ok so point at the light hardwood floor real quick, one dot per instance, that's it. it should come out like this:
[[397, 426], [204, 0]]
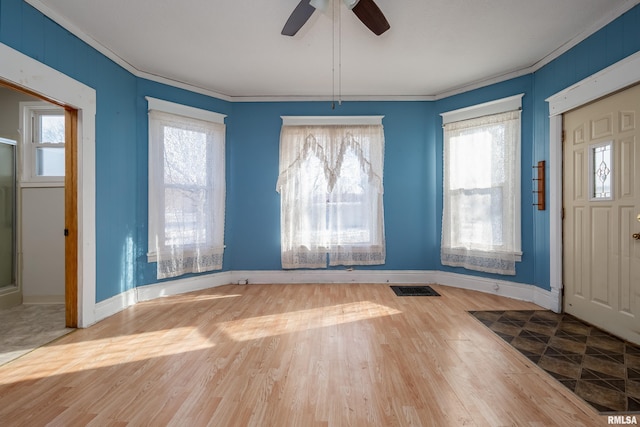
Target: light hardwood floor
[[289, 355]]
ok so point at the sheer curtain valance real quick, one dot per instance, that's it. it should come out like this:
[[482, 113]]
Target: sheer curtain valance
[[331, 189]]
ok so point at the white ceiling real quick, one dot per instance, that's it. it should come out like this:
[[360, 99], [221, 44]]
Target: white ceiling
[[234, 48]]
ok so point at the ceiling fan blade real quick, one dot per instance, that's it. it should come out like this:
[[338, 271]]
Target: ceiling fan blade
[[370, 14], [298, 18]]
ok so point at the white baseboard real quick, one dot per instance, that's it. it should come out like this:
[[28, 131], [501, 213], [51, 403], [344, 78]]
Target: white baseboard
[[181, 286], [113, 305], [329, 276], [546, 299], [43, 299], [515, 290], [520, 291]]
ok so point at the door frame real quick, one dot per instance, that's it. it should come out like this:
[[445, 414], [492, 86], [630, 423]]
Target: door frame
[[620, 75], [27, 74]]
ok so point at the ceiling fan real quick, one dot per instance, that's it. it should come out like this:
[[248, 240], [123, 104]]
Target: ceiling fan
[[366, 10]]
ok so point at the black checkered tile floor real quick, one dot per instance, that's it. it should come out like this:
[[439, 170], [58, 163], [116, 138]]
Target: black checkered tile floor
[[600, 368]]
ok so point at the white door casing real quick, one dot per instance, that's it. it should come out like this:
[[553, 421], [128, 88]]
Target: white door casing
[[28, 73], [623, 73]]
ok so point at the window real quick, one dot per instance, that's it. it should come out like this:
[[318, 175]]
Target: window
[[601, 173], [331, 189], [186, 189], [44, 138], [481, 207]]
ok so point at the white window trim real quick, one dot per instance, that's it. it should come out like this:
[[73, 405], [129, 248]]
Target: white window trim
[[185, 111], [489, 108], [27, 160]]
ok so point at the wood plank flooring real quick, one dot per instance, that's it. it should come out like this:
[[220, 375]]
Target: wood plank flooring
[[290, 355]]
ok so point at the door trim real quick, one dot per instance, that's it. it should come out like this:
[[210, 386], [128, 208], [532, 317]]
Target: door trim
[[70, 206], [27, 73], [71, 218], [618, 76]]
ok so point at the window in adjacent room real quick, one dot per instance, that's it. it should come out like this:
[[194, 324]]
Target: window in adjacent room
[[186, 188], [330, 184], [44, 137], [481, 206]]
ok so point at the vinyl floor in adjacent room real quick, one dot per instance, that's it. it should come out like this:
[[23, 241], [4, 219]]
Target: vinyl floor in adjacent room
[[27, 327], [290, 355]]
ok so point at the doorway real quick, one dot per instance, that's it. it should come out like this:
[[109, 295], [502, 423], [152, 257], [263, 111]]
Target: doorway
[[43, 205], [601, 200], [37, 78]]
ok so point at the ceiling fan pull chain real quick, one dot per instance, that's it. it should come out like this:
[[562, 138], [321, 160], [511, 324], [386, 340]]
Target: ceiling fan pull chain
[[333, 56], [340, 54]]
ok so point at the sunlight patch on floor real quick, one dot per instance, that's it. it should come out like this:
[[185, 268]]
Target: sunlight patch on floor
[[106, 352], [285, 323]]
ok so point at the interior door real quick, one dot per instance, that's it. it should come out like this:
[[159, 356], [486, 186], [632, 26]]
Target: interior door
[[601, 194]]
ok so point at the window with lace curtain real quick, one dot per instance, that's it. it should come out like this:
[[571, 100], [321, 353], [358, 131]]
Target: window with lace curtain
[[186, 189], [481, 206], [330, 183]]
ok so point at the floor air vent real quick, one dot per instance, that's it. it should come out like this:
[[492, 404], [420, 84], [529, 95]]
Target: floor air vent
[[414, 291]]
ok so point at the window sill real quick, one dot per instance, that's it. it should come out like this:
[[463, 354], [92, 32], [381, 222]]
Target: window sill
[[153, 256]]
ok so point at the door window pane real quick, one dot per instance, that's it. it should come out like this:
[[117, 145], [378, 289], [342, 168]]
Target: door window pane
[[602, 171]]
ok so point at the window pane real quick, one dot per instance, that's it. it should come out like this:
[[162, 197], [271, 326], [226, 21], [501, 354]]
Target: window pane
[[185, 157], [478, 218], [471, 160], [51, 129], [601, 158], [50, 161], [184, 213], [348, 204], [186, 195]]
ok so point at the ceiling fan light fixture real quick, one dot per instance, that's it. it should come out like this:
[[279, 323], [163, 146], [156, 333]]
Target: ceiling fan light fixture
[[321, 5], [351, 3]]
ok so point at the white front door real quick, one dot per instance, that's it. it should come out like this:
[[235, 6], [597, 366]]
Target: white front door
[[601, 196]]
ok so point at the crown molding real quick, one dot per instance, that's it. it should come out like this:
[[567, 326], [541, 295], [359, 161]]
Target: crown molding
[[602, 22]]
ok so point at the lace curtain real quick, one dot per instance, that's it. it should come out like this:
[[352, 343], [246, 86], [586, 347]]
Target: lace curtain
[[331, 190], [186, 194], [480, 220]]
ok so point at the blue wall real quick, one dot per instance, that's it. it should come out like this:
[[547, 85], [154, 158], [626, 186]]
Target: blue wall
[[413, 160], [28, 31]]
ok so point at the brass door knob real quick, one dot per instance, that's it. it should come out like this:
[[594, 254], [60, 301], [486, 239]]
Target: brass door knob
[[636, 236]]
